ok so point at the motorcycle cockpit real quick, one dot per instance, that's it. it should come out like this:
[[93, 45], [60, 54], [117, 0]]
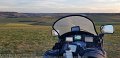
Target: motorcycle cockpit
[[77, 35], [80, 36]]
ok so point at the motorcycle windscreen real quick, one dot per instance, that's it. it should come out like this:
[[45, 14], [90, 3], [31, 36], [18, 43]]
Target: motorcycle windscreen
[[64, 25]]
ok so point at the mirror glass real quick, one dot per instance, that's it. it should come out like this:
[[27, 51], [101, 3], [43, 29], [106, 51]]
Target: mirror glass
[[107, 29], [54, 33]]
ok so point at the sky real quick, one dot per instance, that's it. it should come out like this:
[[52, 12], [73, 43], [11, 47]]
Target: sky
[[60, 6]]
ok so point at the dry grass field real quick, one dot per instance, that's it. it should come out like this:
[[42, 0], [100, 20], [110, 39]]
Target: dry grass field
[[29, 39]]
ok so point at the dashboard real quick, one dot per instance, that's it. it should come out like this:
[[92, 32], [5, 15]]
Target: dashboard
[[85, 37], [77, 36]]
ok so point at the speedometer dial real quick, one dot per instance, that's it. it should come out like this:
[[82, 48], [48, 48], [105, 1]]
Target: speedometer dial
[[88, 39], [69, 39]]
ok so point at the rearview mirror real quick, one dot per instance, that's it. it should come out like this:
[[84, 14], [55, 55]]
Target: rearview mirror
[[107, 29], [54, 33]]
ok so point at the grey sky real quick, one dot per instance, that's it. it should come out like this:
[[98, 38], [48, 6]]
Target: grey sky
[[60, 6]]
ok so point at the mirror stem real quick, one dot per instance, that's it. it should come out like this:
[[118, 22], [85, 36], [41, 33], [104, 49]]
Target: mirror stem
[[101, 35]]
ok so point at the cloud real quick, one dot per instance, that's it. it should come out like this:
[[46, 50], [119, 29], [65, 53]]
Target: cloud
[[60, 5], [107, 1]]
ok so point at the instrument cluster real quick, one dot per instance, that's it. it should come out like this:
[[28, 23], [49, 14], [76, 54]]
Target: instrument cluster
[[84, 38]]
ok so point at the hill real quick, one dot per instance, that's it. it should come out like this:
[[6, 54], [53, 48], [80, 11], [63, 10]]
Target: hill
[[49, 18]]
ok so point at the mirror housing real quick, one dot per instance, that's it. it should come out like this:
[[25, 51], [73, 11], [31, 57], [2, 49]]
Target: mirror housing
[[107, 29], [54, 33]]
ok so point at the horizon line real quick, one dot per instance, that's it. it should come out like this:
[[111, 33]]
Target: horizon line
[[58, 12]]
